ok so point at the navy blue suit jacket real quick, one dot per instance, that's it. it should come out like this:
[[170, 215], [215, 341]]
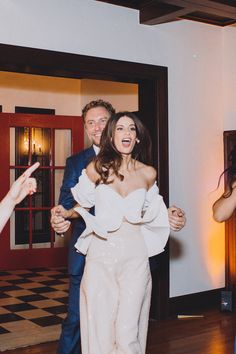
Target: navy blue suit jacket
[[74, 166]]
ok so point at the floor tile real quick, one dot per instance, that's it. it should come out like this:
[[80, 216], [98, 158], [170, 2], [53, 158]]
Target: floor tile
[[61, 286], [3, 330], [20, 281], [62, 315], [4, 283], [57, 294], [30, 298], [46, 303], [63, 300], [61, 276], [9, 277], [20, 326], [9, 301], [56, 309], [29, 285], [2, 311], [18, 293], [19, 307], [34, 314], [10, 317], [47, 321], [52, 282], [22, 272], [9, 288], [3, 295], [49, 272], [39, 278], [43, 289]]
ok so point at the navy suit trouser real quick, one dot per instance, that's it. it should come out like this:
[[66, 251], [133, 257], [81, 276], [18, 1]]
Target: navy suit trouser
[[70, 341]]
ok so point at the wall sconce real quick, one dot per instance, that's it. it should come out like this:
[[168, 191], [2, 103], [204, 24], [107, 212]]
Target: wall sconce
[[34, 140]]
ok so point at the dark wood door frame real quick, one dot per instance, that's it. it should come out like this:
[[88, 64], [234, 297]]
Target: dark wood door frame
[[230, 225], [153, 109]]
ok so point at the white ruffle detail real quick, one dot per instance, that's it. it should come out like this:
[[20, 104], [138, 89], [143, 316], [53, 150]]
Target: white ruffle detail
[[112, 209]]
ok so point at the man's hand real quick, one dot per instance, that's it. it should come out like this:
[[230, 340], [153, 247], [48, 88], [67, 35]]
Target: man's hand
[[58, 222], [177, 218]]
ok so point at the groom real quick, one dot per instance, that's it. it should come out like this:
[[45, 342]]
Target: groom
[[95, 115]]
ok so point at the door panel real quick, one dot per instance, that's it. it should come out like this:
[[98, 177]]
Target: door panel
[[27, 240]]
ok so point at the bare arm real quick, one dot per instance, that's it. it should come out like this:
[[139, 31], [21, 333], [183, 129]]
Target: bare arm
[[224, 207], [23, 186], [176, 215]]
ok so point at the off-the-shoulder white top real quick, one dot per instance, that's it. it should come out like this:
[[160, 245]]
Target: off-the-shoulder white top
[[138, 207]]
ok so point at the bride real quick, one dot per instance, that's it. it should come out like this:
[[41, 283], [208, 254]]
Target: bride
[[130, 225]]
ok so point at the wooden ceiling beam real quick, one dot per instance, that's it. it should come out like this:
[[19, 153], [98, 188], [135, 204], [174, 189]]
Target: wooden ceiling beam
[[155, 13], [205, 6]]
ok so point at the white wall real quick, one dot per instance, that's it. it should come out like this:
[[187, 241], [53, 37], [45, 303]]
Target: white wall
[[61, 94], [193, 54], [229, 60], [123, 96]]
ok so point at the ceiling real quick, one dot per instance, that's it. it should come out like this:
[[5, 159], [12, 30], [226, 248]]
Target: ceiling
[[155, 12]]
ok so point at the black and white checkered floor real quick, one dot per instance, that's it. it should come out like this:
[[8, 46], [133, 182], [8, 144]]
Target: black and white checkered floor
[[32, 306]]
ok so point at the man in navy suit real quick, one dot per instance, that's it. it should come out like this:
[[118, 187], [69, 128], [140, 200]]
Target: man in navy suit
[[95, 115]]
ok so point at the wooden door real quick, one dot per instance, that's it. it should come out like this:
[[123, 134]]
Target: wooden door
[[27, 241], [230, 225]]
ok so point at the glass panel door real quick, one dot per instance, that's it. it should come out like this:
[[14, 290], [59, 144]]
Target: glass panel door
[[29, 240]]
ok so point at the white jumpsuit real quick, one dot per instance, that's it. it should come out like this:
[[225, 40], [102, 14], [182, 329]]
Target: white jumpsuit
[[116, 285]]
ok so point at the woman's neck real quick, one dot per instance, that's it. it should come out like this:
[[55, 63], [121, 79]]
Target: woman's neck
[[127, 163]]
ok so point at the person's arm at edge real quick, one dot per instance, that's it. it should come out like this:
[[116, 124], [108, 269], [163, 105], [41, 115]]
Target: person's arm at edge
[[23, 186], [224, 207]]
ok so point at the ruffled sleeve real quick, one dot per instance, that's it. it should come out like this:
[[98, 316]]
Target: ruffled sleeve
[[155, 222], [84, 191]]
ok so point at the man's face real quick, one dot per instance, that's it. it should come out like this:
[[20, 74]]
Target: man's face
[[95, 121]]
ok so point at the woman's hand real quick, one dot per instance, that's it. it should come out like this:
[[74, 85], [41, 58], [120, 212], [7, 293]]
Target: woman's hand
[[23, 186]]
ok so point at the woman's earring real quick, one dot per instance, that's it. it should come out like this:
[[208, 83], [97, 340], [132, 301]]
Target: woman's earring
[[137, 141]]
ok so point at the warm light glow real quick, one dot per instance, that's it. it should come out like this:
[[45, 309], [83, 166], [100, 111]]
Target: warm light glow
[[37, 141], [214, 244], [215, 255]]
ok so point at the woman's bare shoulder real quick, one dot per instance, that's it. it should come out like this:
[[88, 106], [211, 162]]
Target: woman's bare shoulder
[[149, 173], [91, 172]]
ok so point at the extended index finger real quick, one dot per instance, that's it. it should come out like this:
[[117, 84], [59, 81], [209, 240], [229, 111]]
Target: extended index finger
[[31, 169]]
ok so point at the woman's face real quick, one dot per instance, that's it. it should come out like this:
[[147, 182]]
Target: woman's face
[[125, 135]]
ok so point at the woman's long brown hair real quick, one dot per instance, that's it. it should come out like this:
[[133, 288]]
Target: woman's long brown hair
[[229, 173], [109, 159]]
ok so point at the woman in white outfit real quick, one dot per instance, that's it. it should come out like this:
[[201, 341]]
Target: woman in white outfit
[[130, 225]]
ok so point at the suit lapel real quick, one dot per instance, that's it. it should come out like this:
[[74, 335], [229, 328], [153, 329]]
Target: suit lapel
[[88, 155]]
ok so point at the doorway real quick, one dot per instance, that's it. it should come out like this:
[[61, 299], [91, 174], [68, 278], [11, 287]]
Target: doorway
[[28, 241]]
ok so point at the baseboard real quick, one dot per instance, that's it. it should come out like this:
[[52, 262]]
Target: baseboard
[[192, 303]]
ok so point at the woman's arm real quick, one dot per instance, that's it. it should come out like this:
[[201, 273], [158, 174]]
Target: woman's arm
[[224, 207], [23, 186]]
